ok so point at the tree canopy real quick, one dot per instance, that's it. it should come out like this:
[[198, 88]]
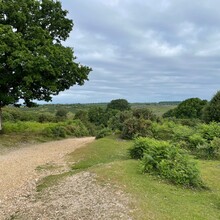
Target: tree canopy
[[189, 108], [118, 104], [34, 65], [212, 110]]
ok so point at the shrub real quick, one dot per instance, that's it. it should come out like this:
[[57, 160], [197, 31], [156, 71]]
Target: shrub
[[116, 122], [195, 140], [163, 131], [140, 146], [46, 117], [103, 133], [74, 129], [144, 113], [167, 161], [134, 127], [210, 150], [209, 131]]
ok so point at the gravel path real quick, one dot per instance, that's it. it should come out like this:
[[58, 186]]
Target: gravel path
[[78, 197]]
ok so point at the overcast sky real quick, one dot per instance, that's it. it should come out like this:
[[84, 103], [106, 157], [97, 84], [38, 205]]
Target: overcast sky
[[145, 51]]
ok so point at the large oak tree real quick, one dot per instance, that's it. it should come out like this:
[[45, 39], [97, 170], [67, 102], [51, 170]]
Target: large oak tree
[[34, 65]]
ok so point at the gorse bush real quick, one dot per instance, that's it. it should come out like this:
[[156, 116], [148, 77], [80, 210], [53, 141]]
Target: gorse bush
[[167, 161]]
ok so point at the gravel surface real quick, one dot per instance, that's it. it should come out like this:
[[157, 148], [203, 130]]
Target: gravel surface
[[79, 197]]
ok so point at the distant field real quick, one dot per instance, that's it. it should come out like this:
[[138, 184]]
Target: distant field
[[157, 108]]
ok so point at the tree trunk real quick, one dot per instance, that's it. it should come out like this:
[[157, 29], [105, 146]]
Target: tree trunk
[[0, 119]]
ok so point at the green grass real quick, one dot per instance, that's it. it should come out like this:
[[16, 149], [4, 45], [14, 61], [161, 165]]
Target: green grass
[[100, 152], [51, 180], [152, 198]]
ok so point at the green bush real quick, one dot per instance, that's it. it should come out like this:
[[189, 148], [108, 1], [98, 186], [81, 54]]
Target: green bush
[[45, 117], [164, 130], [116, 122], [210, 150], [167, 161], [144, 113], [135, 127], [209, 131], [103, 133], [73, 129], [195, 140], [140, 146]]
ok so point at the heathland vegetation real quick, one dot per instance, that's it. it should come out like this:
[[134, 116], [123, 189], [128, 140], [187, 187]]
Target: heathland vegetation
[[155, 148]]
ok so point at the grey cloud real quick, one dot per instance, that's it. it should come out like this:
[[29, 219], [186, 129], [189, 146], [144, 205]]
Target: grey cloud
[[145, 50]]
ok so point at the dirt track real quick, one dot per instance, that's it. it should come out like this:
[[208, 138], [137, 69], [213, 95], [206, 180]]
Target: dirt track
[[18, 167], [78, 197]]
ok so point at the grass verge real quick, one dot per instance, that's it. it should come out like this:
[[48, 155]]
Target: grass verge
[[153, 198]]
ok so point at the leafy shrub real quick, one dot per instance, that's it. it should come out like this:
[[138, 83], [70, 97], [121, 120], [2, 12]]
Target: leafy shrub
[[134, 127], [195, 140], [116, 122], [163, 131], [210, 150], [74, 129], [209, 131], [140, 146], [103, 133], [46, 117], [55, 131], [144, 113], [167, 161], [182, 133]]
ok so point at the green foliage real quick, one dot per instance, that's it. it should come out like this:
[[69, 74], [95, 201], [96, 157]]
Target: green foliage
[[195, 140], [119, 104], [209, 150], [97, 115], [34, 63], [82, 115], [135, 127], [62, 130], [209, 131], [116, 122], [25, 127], [46, 117], [139, 147], [164, 130], [103, 133], [144, 113], [167, 161], [190, 108], [212, 110], [17, 114], [61, 114]]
